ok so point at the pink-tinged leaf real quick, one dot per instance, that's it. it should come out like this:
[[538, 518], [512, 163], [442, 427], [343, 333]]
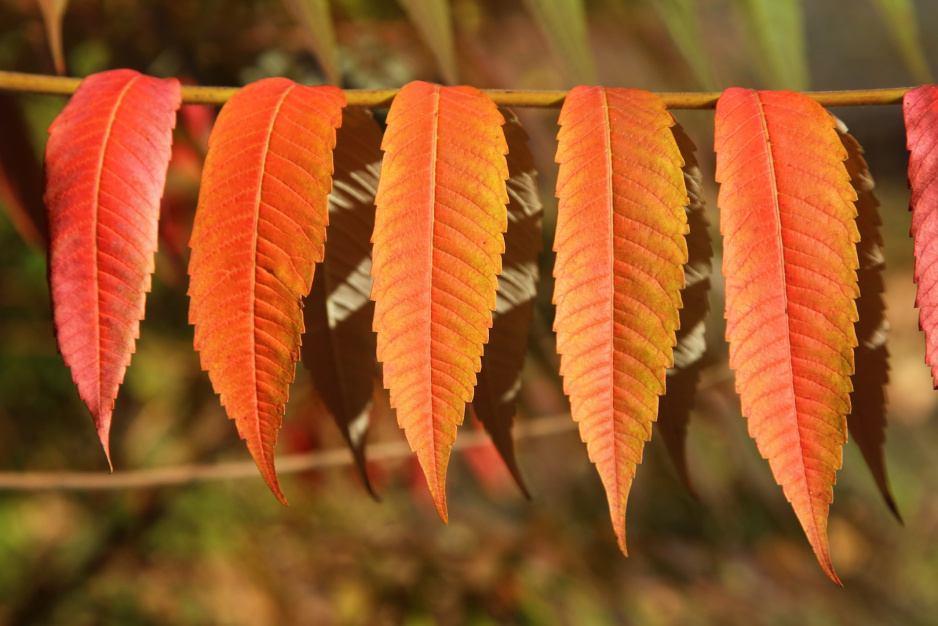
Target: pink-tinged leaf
[[259, 230], [866, 424], [21, 175], [437, 252], [106, 163], [339, 344], [790, 260], [500, 376], [920, 107], [681, 385], [620, 249]]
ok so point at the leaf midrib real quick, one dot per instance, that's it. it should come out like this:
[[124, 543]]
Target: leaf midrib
[[256, 423], [776, 214], [96, 221]]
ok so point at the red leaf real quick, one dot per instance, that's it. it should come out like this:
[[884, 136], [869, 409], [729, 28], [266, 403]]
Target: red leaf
[[787, 217], [437, 246], [866, 424], [106, 163], [620, 250], [259, 229], [500, 376], [339, 344], [920, 107]]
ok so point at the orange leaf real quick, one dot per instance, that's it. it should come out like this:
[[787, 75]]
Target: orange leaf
[[259, 229], [787, 217], [920, 107], [620, 250], [681, 383], [437, 245], [866, 424], [500, 376], [106, 163], [339, 345]]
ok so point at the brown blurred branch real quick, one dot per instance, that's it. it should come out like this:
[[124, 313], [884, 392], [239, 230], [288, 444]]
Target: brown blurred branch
[[39, 83], [287, 464]]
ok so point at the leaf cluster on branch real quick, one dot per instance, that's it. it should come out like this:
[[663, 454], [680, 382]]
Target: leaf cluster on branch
[[442, 299]]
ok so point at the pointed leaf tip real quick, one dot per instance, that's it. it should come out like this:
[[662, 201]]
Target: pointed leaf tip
[[259, 229], [621, 247], [787, 218], [105, 163], [437, 252]]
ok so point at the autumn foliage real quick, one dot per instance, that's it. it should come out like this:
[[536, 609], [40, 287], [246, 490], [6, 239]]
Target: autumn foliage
[[455, 228]]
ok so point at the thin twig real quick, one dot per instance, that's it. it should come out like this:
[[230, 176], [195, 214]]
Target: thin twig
[[287, 464], [378, 98]]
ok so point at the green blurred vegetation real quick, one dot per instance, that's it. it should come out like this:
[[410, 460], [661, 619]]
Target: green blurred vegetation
[[228, 553]]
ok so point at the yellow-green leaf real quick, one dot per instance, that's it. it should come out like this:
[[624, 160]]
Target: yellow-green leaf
[[903, 28], [53, 11], [314, 17], [564, 25], [433, 21], [776, 31], [680, 18]]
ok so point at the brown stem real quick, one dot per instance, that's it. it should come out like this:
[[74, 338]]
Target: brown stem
[[287, 464], [377, 98]]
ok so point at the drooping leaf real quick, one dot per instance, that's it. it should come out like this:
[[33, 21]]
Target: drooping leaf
[[920, 108], [866, 424], [563, 23], [680, 18], [53, 11], [437, 251], [433, 21], [339, 345], [258, 231], [314, 16], [902, 21], [789, 258], [620, 250], [681, 383], [777, 33], [21, 176], [500, 376], [105, 164]]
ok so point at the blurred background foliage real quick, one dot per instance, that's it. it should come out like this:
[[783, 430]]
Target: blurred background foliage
[[228, 553]]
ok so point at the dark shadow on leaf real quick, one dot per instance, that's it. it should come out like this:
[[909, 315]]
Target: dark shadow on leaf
[[499, 379], [339, 344], [681, 384], [866, 423]]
